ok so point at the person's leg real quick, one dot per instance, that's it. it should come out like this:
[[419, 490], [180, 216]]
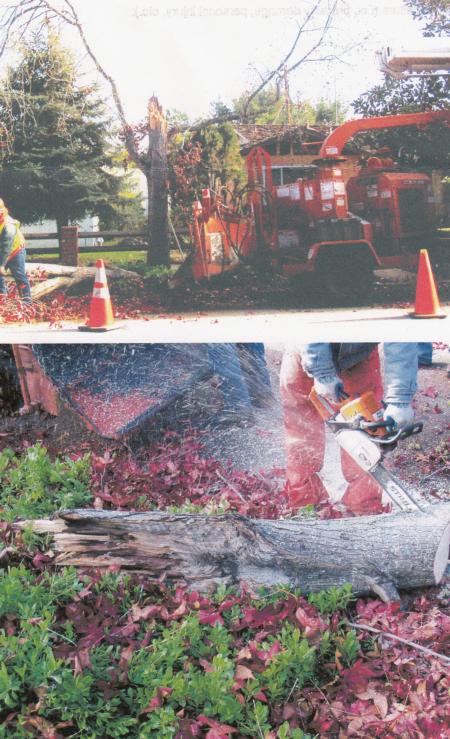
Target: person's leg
[[304, 434], [254, 368], [225, 364], [363, 494], [3, 288], [16, 265], [425, 354]]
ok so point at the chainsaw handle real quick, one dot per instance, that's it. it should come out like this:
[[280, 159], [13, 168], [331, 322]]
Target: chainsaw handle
[[403, 433], [373, 425], [410, 430]]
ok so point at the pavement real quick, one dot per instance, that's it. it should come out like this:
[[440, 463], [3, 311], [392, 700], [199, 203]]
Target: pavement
[[355, 324]]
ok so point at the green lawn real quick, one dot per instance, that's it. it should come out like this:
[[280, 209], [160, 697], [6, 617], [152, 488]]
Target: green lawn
[[133, 260]]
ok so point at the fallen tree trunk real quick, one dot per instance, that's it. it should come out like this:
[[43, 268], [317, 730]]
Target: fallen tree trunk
[[374, 553], [62, 277], [49, 286]]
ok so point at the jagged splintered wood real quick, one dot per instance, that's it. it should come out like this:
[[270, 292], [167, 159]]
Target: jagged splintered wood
[[374, 553]]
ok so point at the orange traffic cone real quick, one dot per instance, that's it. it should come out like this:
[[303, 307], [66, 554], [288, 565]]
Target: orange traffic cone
[[101, 317], [427, 299]]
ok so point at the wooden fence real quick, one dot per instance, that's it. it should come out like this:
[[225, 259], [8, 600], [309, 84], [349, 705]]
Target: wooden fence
[[54, 236]]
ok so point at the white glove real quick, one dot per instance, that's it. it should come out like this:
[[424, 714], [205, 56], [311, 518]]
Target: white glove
[[331, 388], [401, 414]]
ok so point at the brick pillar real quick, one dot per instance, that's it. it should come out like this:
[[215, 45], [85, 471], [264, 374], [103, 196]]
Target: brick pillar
[[68, 246]]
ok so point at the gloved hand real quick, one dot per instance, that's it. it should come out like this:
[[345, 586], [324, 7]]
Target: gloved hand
[[331, 388], [401, 414]]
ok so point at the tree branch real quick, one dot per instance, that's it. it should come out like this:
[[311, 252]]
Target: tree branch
[[302, 29], [388, 635], [26, 10]]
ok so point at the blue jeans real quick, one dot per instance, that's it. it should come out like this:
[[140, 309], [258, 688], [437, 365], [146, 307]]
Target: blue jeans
[[425, 354], [253, 363], [224, 362], [16, 266]]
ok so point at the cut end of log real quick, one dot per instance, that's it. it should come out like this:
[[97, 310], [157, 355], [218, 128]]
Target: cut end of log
[[441, 559]]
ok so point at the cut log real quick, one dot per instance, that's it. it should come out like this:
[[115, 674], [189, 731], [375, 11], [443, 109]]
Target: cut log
[[52, 270], [50, 286], [379, 554], [68, 277]]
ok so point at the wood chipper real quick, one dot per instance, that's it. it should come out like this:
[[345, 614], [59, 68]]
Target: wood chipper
[[113, 388], [318, 224]]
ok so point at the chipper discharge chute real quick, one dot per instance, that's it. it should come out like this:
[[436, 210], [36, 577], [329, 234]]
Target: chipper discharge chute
[[114, 389]]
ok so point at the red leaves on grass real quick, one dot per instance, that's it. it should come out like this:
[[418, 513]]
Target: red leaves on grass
[[357, 677], [174, 471]]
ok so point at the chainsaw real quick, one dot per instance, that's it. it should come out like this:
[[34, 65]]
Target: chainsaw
[[362, 432]]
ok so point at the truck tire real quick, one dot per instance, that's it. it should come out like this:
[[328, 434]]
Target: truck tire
[[345, 280]]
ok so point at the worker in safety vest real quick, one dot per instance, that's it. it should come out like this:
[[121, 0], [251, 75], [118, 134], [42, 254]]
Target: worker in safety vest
[[317, 469], [12, 254]]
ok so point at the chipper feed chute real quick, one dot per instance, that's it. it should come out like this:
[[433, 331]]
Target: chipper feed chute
[[117, 388]]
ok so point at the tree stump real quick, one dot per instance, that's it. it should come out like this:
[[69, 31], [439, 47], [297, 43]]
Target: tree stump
[[377, 554]]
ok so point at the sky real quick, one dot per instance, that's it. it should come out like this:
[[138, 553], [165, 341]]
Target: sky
[[191, 53]]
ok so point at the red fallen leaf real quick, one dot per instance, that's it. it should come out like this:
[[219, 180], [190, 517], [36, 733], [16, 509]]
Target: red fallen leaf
[[143, 614], [207, 666], [210, 618], [126, 655], [311, 625], [157, 700], [358, 676], [430, 727], [46, 729], [430, 392], [222, 729], [437, 409], [244, 653], [180, 611], [243, 673], [40, 560], [261, 696]]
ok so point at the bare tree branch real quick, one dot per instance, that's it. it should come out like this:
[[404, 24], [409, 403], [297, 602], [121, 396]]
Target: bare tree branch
[[21, 17], [302, 30]]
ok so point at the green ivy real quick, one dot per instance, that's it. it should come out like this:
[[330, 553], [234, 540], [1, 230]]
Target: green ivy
[[34, 486]]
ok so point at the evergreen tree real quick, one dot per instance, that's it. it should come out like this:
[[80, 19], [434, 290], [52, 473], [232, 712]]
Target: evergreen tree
[[57, 159]]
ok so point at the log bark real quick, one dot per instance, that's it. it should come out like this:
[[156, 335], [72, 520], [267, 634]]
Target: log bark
[[50, 286], [379, 554], [68, 277]]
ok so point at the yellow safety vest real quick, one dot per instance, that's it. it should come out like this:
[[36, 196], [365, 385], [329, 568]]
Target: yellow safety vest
[[18, 242]]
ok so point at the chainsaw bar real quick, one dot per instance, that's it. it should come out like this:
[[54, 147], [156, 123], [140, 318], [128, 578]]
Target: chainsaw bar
[[404, 500], [368, 455]]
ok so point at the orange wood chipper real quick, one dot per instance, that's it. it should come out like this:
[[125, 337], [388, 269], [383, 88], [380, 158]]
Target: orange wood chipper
[[318, 224]]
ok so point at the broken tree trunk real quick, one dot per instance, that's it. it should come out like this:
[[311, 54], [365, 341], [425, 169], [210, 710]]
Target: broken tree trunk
[[373, 553], [158, 226]]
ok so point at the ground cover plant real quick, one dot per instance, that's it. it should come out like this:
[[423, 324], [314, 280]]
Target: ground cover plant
[[110, 654]]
